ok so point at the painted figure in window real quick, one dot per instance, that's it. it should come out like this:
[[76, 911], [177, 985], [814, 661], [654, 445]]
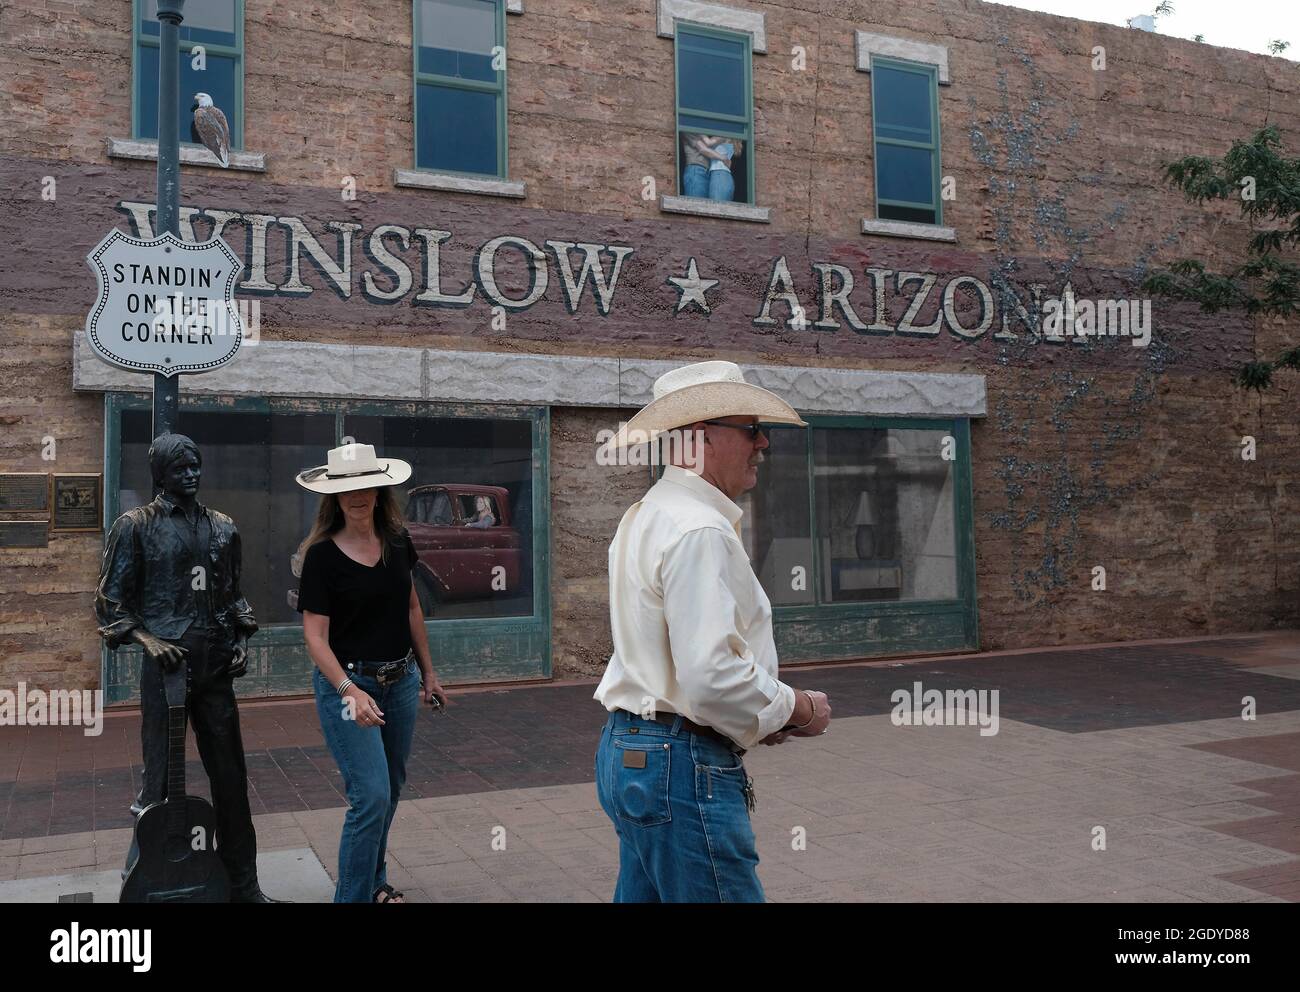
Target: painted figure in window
[[720, 152], [707, 170], [695, 167], [482, 513]]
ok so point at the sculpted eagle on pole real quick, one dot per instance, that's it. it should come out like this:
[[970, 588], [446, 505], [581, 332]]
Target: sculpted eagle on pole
[[211, 128]]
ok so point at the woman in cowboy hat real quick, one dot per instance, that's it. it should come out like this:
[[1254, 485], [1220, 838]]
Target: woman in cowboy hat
[[365, 632]]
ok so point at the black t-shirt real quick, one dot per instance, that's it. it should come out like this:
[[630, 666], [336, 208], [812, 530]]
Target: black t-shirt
[[368, 607]]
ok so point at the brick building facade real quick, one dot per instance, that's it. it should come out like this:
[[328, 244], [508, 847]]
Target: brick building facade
[[488, 322]]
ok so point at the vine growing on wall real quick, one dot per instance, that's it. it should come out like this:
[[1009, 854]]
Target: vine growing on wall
[[1055, 492]]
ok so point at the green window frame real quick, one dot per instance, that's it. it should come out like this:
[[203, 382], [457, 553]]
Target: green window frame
[[477, 649], [745, 123], [825, 630], [935, 203], [234, 115], [496, 87]]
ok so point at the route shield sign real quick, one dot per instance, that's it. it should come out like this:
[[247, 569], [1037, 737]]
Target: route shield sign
[[165, 305]]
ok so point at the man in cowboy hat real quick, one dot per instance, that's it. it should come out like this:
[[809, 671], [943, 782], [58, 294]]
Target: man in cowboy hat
[[169, 582], [692, 682]]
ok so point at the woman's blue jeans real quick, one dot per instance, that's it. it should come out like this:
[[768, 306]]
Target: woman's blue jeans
[[695, 181], [373, 763], [678, 805], [722, 185]]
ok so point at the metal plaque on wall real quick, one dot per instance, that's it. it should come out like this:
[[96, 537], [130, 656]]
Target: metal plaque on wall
[[76, 505], [24, 533], [24, 492]]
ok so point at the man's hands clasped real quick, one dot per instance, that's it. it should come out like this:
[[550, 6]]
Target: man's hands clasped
[[811, 718]]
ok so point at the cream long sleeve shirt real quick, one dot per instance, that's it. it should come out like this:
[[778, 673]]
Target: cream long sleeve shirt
[[692, 625]]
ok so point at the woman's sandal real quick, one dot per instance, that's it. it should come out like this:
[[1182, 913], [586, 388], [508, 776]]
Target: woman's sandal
[[389, 893]]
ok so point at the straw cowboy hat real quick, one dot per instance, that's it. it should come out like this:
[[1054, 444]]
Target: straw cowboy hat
[[352, 467], [703, 391]]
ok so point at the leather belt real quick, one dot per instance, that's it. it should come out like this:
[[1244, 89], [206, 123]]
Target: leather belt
[[385, 672], [668, 719]]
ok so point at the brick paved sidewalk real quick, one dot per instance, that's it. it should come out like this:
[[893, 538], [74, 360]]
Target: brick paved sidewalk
[[1143, 740]]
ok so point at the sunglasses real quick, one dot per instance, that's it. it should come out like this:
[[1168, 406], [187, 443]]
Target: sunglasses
[[755, 431]]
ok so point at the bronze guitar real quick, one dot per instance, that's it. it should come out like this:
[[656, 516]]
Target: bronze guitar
[[177, 859]]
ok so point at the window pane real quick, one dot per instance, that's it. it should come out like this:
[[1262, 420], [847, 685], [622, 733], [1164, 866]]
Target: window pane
[[901, 102], [904, 174], [211, 22], [913, 215], [884, 515], [456, 130], [709, 80], [468, 506], [249, 462], [217, 80], [776, 528], [708, 125], [457, 38]]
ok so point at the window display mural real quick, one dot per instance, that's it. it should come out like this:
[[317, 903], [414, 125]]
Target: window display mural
[[468, 508], [850, 515], [468, 505]]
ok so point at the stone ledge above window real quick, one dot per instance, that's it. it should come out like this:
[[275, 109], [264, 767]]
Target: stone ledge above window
[[147, 149], [712, 15], [701, 207], [901, 48], [294, 368], [451, 183], [514, 6], [905, 229]]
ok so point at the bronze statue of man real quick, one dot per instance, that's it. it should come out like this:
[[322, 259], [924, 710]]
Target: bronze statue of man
[[170, 583]]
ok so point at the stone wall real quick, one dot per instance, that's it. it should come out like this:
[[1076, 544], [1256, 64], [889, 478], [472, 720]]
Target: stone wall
[[1129, 460]]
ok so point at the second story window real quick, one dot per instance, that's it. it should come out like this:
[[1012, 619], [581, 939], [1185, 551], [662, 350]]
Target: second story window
[[460, 86], [905, 119], [715, 115], [217, 27]]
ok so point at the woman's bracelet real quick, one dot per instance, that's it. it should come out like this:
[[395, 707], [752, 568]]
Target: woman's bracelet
[[343, 686], [813, 704]]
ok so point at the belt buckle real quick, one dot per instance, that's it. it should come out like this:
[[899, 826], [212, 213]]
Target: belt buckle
[[389, 673]]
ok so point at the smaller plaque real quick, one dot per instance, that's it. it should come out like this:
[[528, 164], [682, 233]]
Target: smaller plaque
[[25, 492], [76, 505], [24, 533]]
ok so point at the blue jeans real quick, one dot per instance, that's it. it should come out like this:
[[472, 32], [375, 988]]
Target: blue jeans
[[722, 185], [695, 181], [373, 763], [683, 829]]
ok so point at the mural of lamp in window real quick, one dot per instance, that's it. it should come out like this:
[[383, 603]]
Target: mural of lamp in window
[[864, 524]]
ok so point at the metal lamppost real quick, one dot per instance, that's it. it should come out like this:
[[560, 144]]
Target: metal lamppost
[[166, 389]]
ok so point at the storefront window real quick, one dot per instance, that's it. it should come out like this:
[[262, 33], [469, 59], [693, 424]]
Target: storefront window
[[781, 537], [468, 507], [884, 503], [877, 525]]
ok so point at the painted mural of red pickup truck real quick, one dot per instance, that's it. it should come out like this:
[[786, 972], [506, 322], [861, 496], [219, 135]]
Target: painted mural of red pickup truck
[[466, 545]]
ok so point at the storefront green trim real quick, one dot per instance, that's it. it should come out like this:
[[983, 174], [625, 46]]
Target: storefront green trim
[[487, 650], [834, 631]]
